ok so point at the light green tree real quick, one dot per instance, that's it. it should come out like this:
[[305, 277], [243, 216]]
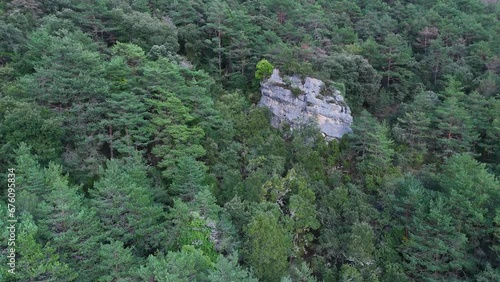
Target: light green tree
[[263, 69]]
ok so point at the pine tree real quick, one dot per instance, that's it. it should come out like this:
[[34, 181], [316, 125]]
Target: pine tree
[[373, 148], [117, 263], [435, 250], [125, 126], [27, 122], [228, 269], [433, 66], [69, 80], [196, 223], [124, 203], [31, 186], [395, 61], [188, 179], [454, 128], [189, 264], [173, 137], [361, 80], [72, 228], [268, 246], [360, 248], [302, 209], [37, 262], [414, 127], [218, 29], [473, 195]]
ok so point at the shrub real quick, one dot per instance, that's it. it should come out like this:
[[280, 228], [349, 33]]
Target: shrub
[[263, 69], [296, 91]]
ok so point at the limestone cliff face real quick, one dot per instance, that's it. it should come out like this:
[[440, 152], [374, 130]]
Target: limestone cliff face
[[296, 101]]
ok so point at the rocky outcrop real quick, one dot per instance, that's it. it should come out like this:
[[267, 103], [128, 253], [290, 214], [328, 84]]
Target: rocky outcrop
[[297, 101]]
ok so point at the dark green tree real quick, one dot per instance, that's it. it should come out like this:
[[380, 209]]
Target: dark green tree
[[188, 264], [268, 246], [373, 149], [36, 261], [117, 263], [69, 80], [454, 128], [435, 249], [228, 269], [25, 122], [72, 228], [123, 201]]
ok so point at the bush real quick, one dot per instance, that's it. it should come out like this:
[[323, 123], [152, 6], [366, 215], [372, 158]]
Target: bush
[[296, 91], [264, 69]]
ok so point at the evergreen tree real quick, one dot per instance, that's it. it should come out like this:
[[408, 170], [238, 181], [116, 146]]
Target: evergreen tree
[[268, 246], [189, 264], [124, 204], [36, 261], [454, 128], [414, 127], [68, 79], [302, 211], [473, 195], [31, 186], [361, 80], [27, 122], [394, 59], [373, 148], [173, 137], [227, 269], [435, 250], [189, 179], [73, 229], [117, 263]]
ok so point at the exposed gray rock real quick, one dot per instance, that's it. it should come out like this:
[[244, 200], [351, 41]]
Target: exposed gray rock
[[296, 101]]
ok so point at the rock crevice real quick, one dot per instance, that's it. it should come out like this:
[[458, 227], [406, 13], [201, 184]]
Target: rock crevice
[[296, 101]]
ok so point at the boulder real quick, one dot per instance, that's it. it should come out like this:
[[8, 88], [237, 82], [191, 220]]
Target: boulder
[[296, 101]]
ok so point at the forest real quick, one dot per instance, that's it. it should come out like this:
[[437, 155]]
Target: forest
[[132, 146]]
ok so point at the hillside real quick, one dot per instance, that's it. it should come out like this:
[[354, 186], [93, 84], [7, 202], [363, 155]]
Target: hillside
[[134, 144]]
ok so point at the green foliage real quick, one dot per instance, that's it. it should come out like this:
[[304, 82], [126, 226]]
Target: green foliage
[[124, 204], [143, 29], [359, 77], [29, 123], [116, 262], [68, 79], [36, 261], [454, 128], [263, 69], [189, 264], [179, 108], [349, 273], [473, 195], [296, 92], [227, 269], [188, 179], [73, 229], [302, 211], [373, 147], [268, 246], [434, 240], [300, 273]]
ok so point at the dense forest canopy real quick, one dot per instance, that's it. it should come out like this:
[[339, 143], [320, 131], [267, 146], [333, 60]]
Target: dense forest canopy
[[140, 153]]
